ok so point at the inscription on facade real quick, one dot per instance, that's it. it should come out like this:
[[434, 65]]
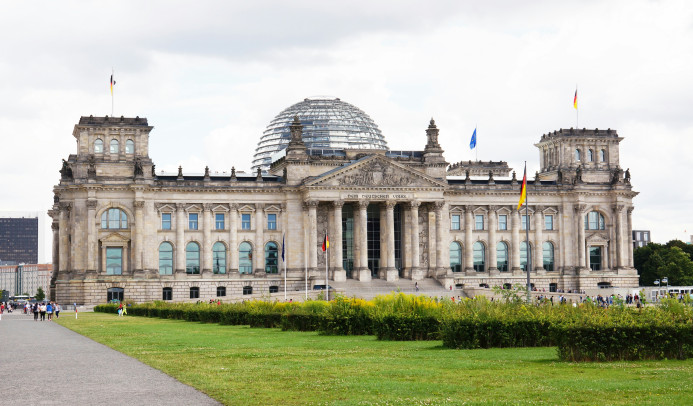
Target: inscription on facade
[[377, 196]]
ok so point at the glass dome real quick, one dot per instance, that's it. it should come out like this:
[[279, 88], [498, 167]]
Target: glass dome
[[329, 124]]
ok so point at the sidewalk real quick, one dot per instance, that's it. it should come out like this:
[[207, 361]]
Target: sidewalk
[[44, 363]]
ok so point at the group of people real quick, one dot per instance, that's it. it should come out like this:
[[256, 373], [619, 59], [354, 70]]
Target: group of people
[[43, 309]]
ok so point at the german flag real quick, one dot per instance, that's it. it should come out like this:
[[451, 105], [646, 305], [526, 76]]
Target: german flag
[[325, 243], [112, 84], [523, 192], [575, 100]]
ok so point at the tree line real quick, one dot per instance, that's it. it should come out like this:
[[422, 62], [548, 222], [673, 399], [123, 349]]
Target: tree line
[[672, 260]]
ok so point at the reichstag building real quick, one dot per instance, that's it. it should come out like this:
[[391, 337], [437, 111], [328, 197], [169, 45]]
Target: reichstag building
[[322, 166]]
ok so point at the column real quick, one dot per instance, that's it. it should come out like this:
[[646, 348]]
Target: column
[[468, 250], [538, 239], [180, 239], [312, 235], [92, 254], [580, 224], [416, 273], [63, 256], [56, 247], [259, 239], [432, 239], [233, 239], [441, 241], [206, 225], [515, 246], [620, 254], [629, 237], [492, 253], [363, 271], [338, 273], [391, 273]]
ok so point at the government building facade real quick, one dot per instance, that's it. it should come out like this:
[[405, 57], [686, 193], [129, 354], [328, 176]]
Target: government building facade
[[322, 167]]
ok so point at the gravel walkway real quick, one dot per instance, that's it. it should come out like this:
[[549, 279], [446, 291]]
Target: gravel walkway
[[43, 363]]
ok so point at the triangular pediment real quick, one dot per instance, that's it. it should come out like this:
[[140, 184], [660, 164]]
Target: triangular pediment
[[596, 238], [165, 207], [115, 238], [375, 171]]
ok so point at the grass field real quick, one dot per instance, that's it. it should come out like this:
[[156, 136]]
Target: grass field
[[240, 366]]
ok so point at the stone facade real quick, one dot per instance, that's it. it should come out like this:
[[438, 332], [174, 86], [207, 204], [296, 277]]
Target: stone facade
[[121, 231]]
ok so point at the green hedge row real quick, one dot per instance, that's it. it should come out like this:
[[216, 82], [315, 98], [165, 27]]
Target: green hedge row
[[495, 333]]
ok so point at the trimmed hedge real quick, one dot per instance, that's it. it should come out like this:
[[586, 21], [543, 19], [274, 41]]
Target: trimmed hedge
[[494, 332], [401, 327]]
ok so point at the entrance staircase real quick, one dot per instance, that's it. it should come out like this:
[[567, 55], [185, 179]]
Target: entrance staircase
[[369, 290]]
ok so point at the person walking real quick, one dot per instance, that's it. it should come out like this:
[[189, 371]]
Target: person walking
[[57, 310], [35, 310], [49, 311], [42, 311]]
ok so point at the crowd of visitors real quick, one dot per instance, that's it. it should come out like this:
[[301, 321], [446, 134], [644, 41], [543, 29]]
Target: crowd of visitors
[[39, 309]]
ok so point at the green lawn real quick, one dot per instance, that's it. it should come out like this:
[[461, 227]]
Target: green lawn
[[240, 365]]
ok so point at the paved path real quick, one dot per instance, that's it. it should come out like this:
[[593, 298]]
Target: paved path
[[43, 363]]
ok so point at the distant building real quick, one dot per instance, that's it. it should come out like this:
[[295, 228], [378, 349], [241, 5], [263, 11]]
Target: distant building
[[21, 237], [25, 278], [641, 238]]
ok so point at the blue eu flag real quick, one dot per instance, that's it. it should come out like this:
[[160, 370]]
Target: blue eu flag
[[472, 143]]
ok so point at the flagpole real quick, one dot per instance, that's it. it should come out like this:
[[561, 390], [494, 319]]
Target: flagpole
[[577, 110], [528, 250], [476, 142], [112, 72], [327, 286], [305, 258]]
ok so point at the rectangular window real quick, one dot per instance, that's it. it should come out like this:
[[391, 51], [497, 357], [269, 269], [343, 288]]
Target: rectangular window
[[548, 222], [221, 291], [245, 221], [479, 222], [192, 221], [525, 222], [194, 293], [455, 222], [167, 294], [219, 225], [165, 221], [502, 222], [271, 221], [114, 261]]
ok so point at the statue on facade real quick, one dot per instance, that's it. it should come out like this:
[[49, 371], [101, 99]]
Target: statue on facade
[[233, 173], [180, 171], [66, 171], [578, 174], [559, 178], [138, 168], [206, 171], [153, 170], [91, 170], [626, 178]]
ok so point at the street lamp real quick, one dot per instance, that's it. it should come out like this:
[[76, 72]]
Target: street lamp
[[666, 280]]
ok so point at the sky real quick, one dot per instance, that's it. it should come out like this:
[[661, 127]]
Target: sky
[[211, 75]]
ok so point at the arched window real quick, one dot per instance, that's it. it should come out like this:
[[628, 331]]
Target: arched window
[[577, 155], [602, 156], [192, 258], [114, 147], [271, 258], [548, 256], [502, 256], [245, 258], [219, 257], [166, 258], [114, 219], [523, 255], [594, 221], [98, 146], [455, 256], [479, 257], [590, 155], [129, 147]]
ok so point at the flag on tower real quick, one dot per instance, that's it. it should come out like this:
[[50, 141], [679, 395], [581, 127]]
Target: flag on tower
[[112, 84], [523, 192], [472, 143], [325, 243], [575, 100]]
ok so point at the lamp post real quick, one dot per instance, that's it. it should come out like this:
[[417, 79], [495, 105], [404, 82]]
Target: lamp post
[[656, 282], [666, 280]]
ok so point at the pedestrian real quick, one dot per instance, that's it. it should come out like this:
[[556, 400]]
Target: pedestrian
[[42, 311], [35, 309], [120, 309], [49, 311], [57, 310], [416, 286]]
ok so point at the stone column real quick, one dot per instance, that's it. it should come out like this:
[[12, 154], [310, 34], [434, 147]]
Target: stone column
[[207, 225], [416, 273], [312, 235], [618, 228], [517, 241], [233, 238], [432, 237], [259, 239], [493, 254], [580, 221], [92, 235], [338, 273], [441, 226], [63, 256], [138, 246], [363, 271], [180, 239], [629, 236], [468, 251], [391, 273], [538, 239], [56, 246]]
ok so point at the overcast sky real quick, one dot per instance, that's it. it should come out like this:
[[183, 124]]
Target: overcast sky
[[210, 76]]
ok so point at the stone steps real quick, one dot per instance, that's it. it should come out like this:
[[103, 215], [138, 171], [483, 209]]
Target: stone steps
[[375, 287]]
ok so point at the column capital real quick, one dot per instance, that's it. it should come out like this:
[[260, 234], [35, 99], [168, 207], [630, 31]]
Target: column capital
[[363, 204], [414, 204], [493, 208], [233, 207], [390, 205], [207, 207], [338, 203], [468, 208], [259, 206], [180, 206], [538, 208], [282, 206], [438, 205], [580, 208], [308, 204], [630, 210], [65, 206], [91, 204], [618, 208], [139, 204]]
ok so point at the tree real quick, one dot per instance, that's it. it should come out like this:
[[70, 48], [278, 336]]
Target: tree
[[656, 261], [677, 266], [40, 294]]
